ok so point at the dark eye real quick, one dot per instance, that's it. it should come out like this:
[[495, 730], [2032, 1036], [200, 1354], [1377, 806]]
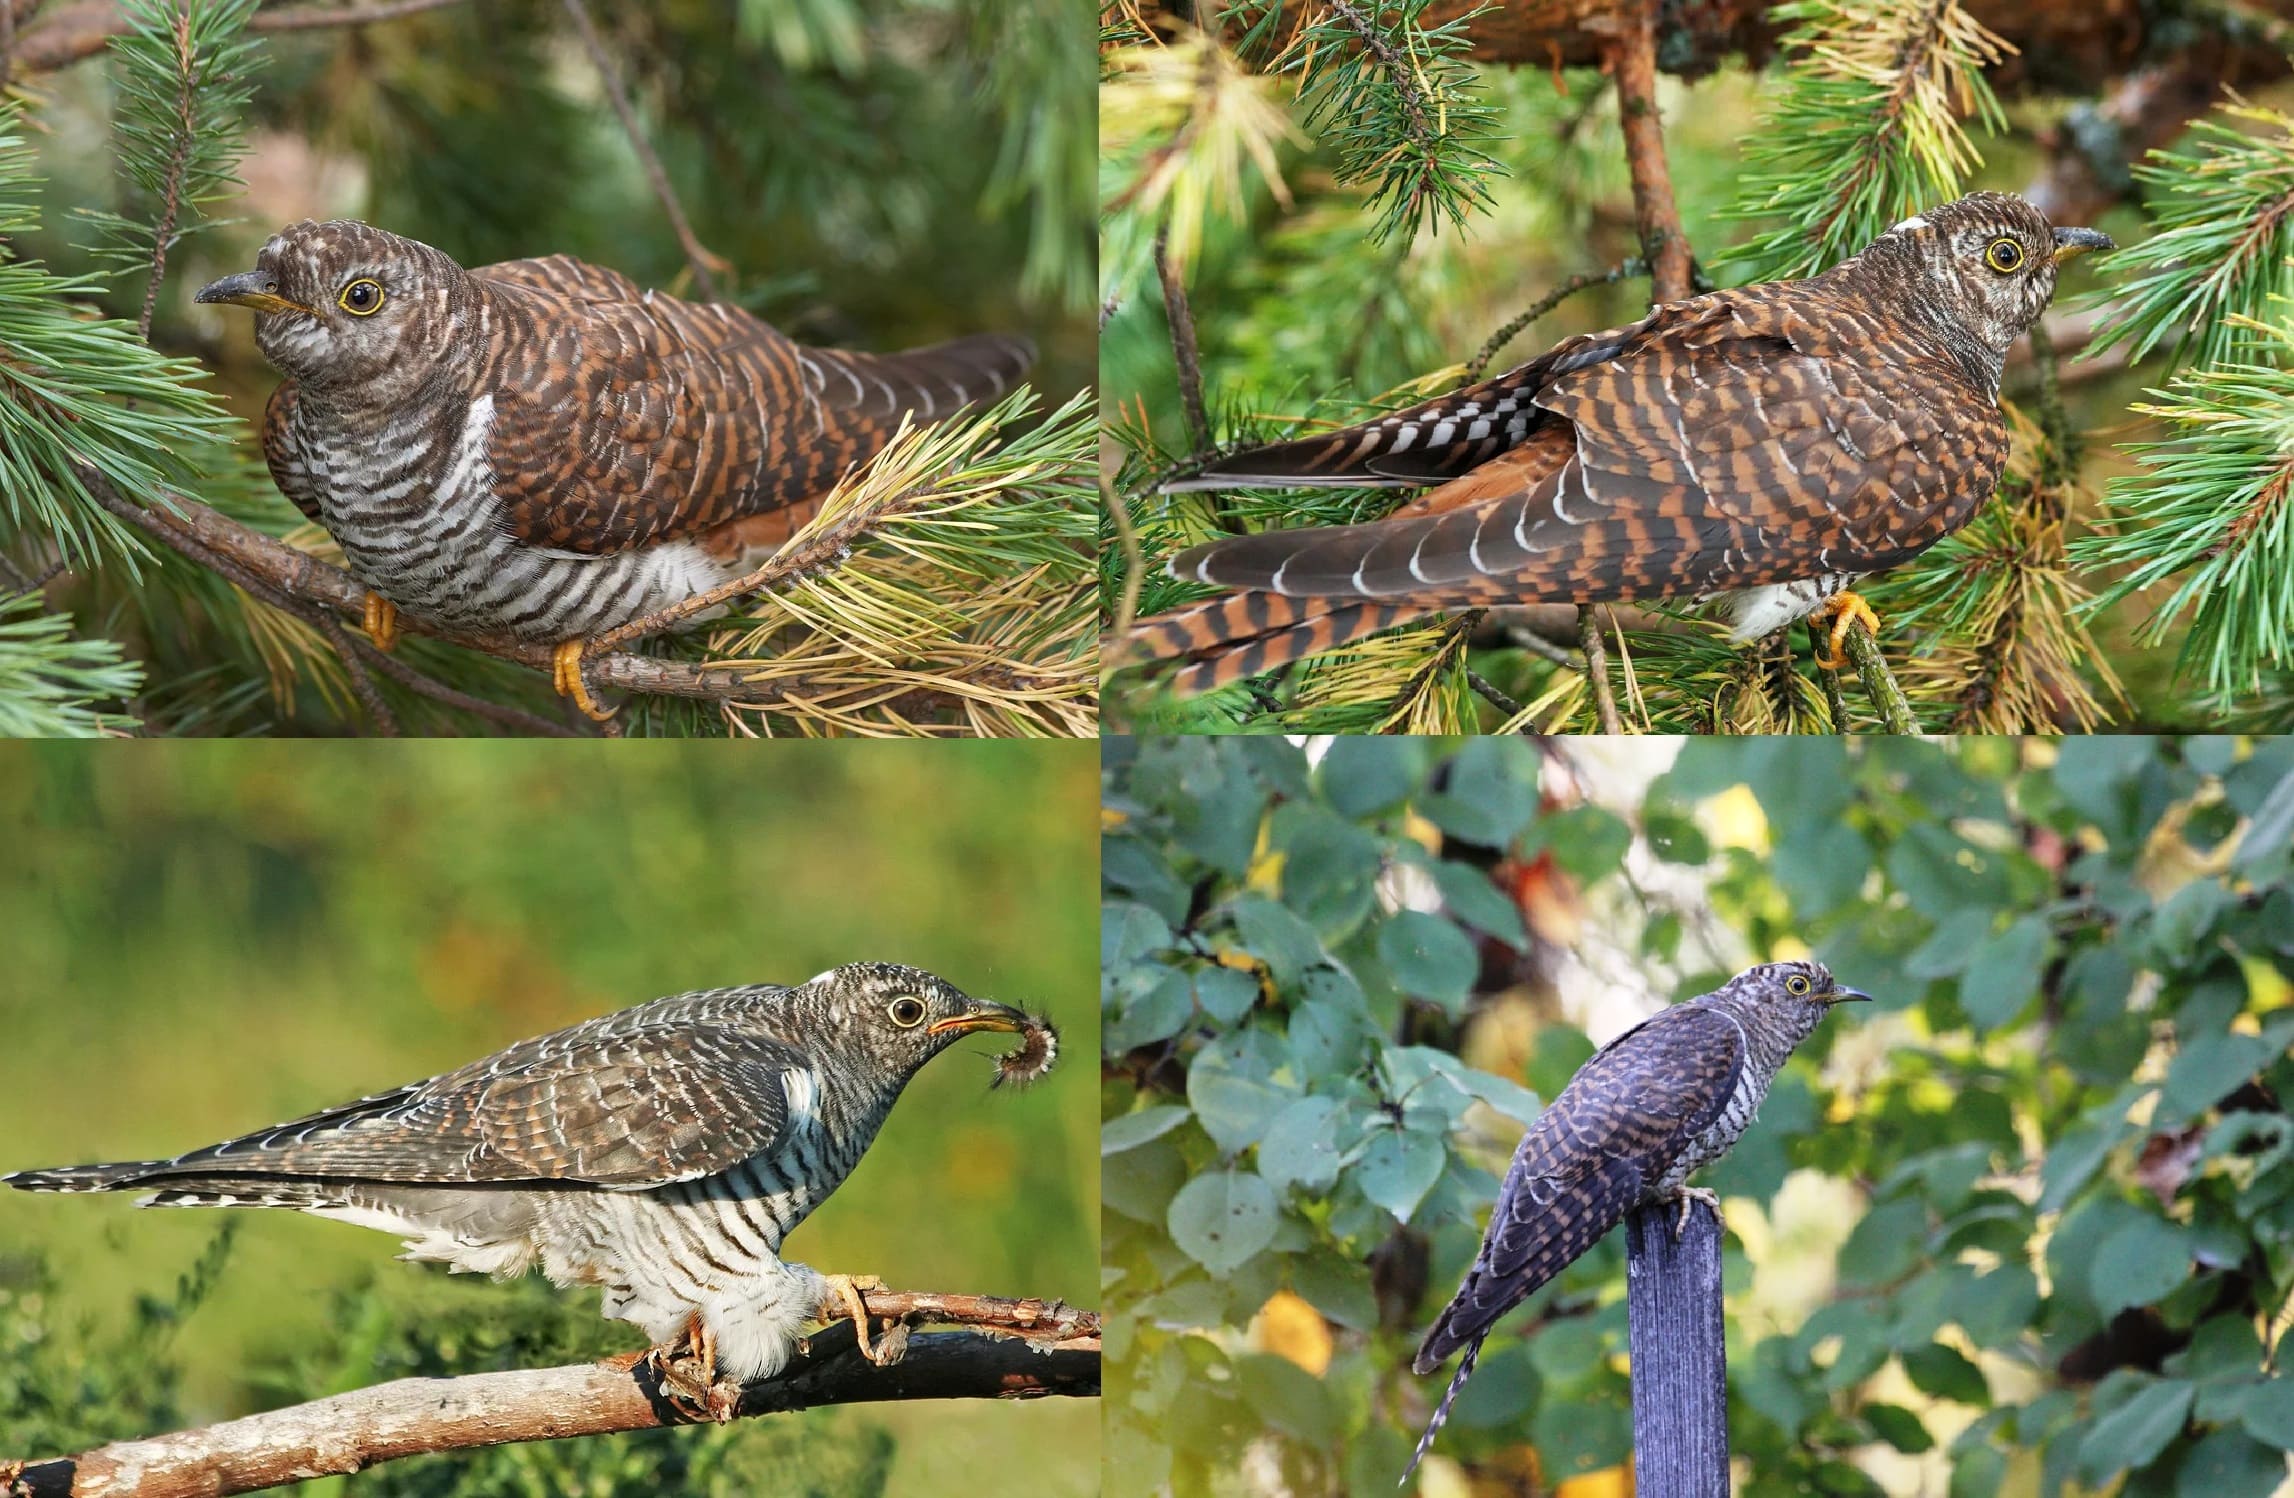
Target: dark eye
[[2004, 256], [907, 1013], [1796, 985], [362, 297]]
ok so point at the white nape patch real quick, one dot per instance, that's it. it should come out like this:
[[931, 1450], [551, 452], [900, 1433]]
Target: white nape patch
[[1915, 222], [820, 977], [801, 1089]]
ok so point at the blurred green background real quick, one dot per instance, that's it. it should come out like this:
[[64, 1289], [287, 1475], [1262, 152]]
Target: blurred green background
[[211, 938]]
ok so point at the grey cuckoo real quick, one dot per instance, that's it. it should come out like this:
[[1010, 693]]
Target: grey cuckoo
[[662, 1153], [1658, 1103]]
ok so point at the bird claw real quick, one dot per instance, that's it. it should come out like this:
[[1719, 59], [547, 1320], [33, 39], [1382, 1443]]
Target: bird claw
[[846, 1288], [687, 1372], [381, 622], [1846, 609], [1688, 1194], [566, 676]]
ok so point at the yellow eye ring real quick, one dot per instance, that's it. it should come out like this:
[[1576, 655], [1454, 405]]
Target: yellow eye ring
[[1797, 986], [2004, 256], [906, 1011], [362, 297]]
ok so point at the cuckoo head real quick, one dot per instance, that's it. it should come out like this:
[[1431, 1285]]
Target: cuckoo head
[[348, 309], [1983, 265], [1801, 992], [892, 1019]]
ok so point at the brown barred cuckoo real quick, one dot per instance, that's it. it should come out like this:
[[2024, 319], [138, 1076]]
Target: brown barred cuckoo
[[542, 451], [1763, 448]]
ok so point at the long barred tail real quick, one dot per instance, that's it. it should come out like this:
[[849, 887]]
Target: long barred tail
[[1442, 1410], [1247, 634], [83, 1177]]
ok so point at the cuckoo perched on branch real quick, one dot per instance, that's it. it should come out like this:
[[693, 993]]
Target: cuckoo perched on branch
[[1660, 1102], [538, 449], [662, 1152], [1765, 446]]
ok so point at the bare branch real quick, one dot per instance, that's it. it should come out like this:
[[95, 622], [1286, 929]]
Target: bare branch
[[1024, 1349], [698, 258], [77, 32]]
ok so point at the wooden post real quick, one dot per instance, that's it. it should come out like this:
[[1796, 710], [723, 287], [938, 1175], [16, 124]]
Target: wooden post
[[1680, 1357]]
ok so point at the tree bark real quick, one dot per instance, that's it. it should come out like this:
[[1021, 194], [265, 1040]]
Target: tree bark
[[1680, 1357], [1040, 1348]]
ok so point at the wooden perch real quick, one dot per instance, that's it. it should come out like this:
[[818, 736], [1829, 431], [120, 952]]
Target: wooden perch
[[1012, 1349], [1680, 1357]]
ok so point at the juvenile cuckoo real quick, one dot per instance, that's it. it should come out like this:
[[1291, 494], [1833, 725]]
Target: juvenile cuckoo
[[1764, 447], [538, 449], [1659, 1102], [663, 1153]]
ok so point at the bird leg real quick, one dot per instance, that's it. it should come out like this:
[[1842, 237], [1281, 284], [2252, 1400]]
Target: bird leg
[[1688, 1194], [381, 622], [566, 676], [1844, 609], [846, 1289], [687, 1369]]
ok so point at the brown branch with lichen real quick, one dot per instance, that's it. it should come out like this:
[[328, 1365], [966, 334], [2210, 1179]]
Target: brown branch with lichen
[[74, 33], [1009, 1349]]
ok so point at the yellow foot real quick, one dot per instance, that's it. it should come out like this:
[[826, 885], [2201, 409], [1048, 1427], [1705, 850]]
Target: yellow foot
[[846, 1288], [381, 623], [1845, 610], [567, 678], [1705, 1194]]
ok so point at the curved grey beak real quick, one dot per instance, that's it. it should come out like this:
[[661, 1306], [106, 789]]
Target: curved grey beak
[[2072, 243], [252, 288], [1850, 996]]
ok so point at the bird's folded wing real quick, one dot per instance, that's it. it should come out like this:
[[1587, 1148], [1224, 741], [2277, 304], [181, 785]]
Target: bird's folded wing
[[629, 1107], [625, 419], [1732, 453]]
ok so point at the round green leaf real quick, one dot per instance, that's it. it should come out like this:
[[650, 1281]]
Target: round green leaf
[[1398, 1169], [2137, 1431], [1223, 1218], [1429, 957], [1131, 1130]]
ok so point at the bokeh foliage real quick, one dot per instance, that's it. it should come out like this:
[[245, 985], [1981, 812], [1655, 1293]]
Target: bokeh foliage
[[2055, 1162], [212, 939]]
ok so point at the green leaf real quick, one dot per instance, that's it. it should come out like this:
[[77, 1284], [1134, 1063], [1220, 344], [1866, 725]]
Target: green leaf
[[2138, 1263], [1491, 793], [1585, 840], [2209, 1066], [1946, 1373], [1223, 1218], [2268, 1412], [2270, 832], [1362, 774], [2133, 1434], [1130, 1130], [1226, 994], [1273, 934], [1428, 957], [1563, 1352], [1128, 932], [1472, 898], [1231, 1083], [1157, 1014], [1885, 1244], [2230, 1464], [1398, 1168], [1898, 1427], [1302, 1145], [1288, 1397], [2003, 974]]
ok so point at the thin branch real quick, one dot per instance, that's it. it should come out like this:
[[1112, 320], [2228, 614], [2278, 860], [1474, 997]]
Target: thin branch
[[178, 159], [695, 256], [361, 683], [1597, 671], [1895, 708], [1633, 65], [78, 32], [1488, 691], [1013, 1350], [1624, 270], [1183, 348]]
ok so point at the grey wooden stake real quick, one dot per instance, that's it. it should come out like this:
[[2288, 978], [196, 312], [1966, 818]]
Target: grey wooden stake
[[1680, 1357]]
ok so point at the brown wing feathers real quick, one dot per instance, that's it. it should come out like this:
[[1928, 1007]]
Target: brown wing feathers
[[638, 418]]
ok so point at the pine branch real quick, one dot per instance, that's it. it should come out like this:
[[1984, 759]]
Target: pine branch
[[1866, 132], [52, 682], [1034, 1349]]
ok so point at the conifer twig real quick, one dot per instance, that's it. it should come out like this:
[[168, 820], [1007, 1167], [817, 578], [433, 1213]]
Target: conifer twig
[[1624, 270], [1895, 709], [1597, 671]]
